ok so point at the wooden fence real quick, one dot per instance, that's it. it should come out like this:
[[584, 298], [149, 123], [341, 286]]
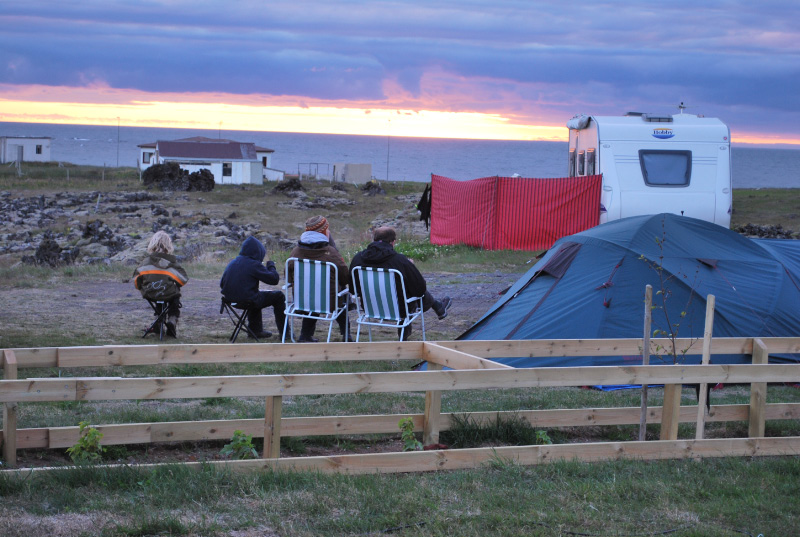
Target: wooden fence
[[469, 364]]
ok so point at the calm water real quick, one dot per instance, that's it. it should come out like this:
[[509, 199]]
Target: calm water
[[399, 159]]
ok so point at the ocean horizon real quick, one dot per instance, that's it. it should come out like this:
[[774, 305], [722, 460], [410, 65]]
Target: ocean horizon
[[392, 158]]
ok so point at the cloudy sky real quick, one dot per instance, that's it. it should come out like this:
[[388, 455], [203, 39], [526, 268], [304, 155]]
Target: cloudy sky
[[511, 69]]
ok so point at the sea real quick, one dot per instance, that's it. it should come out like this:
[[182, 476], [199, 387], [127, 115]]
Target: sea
[[392, 158]]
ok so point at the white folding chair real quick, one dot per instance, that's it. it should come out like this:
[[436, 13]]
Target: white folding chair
[[312, 295], [377, 298]]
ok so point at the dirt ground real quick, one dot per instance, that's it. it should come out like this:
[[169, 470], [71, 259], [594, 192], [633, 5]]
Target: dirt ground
[[115, 313]]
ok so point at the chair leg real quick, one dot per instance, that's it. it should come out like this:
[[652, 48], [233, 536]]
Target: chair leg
[[330, 330]]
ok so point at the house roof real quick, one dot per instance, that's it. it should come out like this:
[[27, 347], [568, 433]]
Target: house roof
[[203, 140], [207, 150]]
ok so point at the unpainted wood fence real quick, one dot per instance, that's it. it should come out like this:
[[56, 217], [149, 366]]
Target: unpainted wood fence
[[469, 367]]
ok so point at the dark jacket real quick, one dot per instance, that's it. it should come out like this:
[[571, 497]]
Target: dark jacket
[[240, 280], [320, 250], [382, 255], [160, 277]]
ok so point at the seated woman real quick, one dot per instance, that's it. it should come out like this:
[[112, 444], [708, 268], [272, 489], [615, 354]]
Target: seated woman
[[160, 278]]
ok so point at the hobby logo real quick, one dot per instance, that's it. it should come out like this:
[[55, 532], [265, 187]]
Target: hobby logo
[[662, 134]]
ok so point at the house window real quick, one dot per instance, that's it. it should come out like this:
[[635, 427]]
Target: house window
[[38, 150], [666, 168], [146, 157], [227, 169], [264, 161], [590, 161], [581, 169]]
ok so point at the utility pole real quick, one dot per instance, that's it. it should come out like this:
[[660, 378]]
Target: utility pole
[[117, 142], [388, 140]]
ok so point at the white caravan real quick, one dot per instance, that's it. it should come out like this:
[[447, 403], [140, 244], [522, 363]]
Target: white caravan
[[655, 164]]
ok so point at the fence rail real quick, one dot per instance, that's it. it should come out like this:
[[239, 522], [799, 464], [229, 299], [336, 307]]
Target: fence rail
[[470, 367]]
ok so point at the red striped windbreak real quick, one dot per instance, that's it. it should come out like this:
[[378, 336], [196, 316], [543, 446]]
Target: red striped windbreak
[[512, 213]]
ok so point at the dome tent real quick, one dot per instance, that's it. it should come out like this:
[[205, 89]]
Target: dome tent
[[591, 286]]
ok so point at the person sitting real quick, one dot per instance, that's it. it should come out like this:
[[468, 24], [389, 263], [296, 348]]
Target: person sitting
[[160, 278], [317, 244], [240, 281], [381, 254]]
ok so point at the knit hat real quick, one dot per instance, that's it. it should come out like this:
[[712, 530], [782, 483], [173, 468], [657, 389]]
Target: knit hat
[[317, 223]]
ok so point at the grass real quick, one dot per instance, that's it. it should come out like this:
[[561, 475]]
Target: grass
[[686, 498], [712, 497]]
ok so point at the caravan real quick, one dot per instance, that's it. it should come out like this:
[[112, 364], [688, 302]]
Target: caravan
[[654, 164]]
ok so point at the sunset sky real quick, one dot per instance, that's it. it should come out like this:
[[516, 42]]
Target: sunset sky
[[503, 69]]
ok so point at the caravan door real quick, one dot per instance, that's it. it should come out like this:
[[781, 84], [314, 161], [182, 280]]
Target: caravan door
[[678, 180]]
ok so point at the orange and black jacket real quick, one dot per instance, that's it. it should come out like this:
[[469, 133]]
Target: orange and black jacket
[[160, 277]]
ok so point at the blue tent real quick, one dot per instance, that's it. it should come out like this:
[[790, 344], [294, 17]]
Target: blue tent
[[591, 285]]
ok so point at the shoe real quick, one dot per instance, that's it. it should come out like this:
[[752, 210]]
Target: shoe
[[307, 340], [171, 332], [349, 338], [261, 335], [444, 306]]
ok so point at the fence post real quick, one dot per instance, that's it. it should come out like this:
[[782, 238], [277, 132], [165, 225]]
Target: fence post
[[702, 391], [272, 427], [10, 411], [648, 321], [758, 393], [433, 412], [670, 413]]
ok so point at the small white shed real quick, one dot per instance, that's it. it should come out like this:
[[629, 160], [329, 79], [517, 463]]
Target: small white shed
[[24, 148]]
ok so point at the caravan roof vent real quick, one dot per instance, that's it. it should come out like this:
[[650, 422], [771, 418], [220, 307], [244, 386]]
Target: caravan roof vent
[[635, 114], [657, 119]]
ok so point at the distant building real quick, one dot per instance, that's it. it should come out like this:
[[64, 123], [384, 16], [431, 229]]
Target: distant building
[[230, 162], [352, 173], [24, 148]]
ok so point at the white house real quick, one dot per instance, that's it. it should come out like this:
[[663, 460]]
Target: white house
[[229, 161], [25, 148]]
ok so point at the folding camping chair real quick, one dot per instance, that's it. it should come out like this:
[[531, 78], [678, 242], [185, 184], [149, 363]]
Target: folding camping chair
[[313, 295], [237, 312], [159, 326], [377, 299]]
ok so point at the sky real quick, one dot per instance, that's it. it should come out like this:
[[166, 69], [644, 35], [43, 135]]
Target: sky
[[499, 69]]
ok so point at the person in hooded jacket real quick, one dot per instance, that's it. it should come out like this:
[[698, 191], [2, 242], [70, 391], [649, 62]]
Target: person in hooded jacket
[[240, 281], [381, 254], [160, 277], [316, 243]]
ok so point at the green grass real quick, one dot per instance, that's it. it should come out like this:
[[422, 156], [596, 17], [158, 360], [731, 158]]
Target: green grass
[[684, 498]]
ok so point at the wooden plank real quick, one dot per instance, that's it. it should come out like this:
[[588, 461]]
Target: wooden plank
[[670, 411], [64, 437], [239, 353], [455, 359], [648, 319], [702, 392], [438, 460], [114, 388], [9, 411], [758, 394], [433, 412], [36, 357], [272, 427]]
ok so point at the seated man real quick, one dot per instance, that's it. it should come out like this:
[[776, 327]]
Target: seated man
[[240, 282], [317, 244], [380, 254], [160, 277]]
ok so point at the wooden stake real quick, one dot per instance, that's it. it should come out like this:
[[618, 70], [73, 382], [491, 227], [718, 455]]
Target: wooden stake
[[758, 393], [670, 413], [648, 319], [272, 427], [10, 412], [702, 397], [433, 412]]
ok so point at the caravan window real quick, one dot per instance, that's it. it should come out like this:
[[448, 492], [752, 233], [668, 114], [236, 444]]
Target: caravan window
[[666, 168], [571, 171], [590, 161]]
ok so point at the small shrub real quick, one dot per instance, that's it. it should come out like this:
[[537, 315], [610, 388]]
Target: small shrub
[[410, 442], [88, 448], [241, 447], [512, 430]]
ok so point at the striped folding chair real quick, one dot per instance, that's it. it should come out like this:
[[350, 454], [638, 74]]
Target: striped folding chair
[[377, 298], [313, 294]]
